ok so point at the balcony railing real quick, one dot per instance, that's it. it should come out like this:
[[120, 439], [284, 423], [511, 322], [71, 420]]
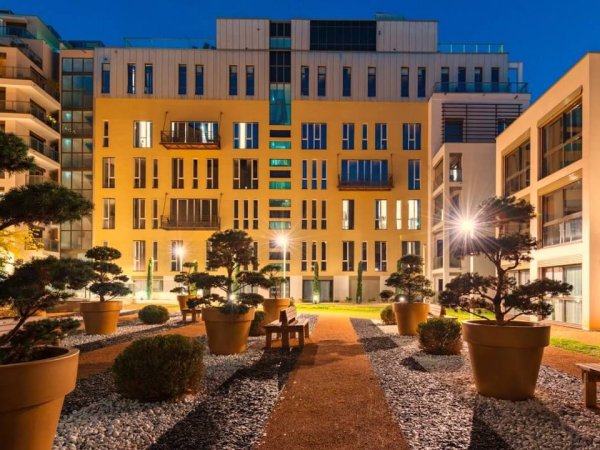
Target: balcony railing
[[562, 232], [471, 48], [366, 185], [50, 245], [169, 139], [29, 108], [509, 87], [12, 40], [26, 73], [172, 223], [41, 147], [39, 179], [438, 262]]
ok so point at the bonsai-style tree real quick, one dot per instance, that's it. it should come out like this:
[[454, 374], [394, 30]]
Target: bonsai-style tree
[[359, 282], [495, 234], [109, 281], [316, 284], [37, 286], [231, 250], [271, 272], [409, 279], [386, 294], [183, 278]]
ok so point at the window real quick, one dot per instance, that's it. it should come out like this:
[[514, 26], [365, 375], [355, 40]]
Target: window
[[561, 215], [411, 248], [445, 79], [250, 81], [105, 134], [371, 82], [313, 254], [194, 132], [321, 81], [346, 82], [245, 174], [364, 173], [108, 172], [244, 218], [380, 256], [381, 214], [414, 214], [381, 136], [155, 173], [304, 256], [148, 79], [347, 256], [139, 256], [365, 136], [177, 251], [193, 213], [139, 213], [177, 173], [323, 256], [414, 174], [315, 174], [304, 174], [105, 89], [194, 174], [139, 173], [561, 141], [142, 134], [566, 309], [154, 214], [304, 81], [304, 223], [516, 169], [245, 135], [131, 78], [280, 104], [108, 213], [182, 79], [455, 167], [212, 173], [324, 174], [347, 136], [411, 136], [364, 254], [462, 79], [404, 80], [199, 80], [314, 136], [347, 214], [453, 130], [313, 215], [155, 254], [495, 77], [421, 81], [398, 214], [233, 80], [478, 78], [323, 214]]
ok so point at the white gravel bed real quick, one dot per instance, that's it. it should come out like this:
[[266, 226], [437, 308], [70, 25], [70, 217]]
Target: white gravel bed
[[435, 403]]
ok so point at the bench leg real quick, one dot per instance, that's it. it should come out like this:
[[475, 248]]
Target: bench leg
[[589, 391], [269, 336], [285, 339], [193, 316], [306, 331], [184, 316], [301, 337]]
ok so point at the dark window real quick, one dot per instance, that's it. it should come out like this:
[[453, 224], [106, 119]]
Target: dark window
[[280, 66], [453, 130], [182, 79], [148, 79], [105, 78], [421, 81], [131, 78], [561, 141], [371, 82], [321, 81], [404, 92], [495, 79], [245, 174], [280, 133], [347, 256], [280, 174], [250, 81], [304, 80], [199, 80], [359, 35], [346, 82], [445, 79], [233, 80], [462, 79], [478, 78], [517, 169]]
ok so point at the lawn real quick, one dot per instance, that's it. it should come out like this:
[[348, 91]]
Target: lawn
[[576, 346], [369, 311]]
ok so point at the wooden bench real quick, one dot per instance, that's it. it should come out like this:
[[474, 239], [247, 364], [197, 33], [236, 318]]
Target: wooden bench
[[288, 324], [194, 313], [590, 374]]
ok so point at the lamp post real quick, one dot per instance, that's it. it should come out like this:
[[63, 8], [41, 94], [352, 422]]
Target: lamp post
[[282, 240]]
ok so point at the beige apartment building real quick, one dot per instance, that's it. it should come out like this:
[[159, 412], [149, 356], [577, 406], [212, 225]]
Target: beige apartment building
[[549, 156]]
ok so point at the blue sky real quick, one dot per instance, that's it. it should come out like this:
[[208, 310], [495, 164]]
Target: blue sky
[[549, 36]]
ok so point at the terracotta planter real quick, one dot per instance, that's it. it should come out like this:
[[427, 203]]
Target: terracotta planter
[[227, 333], [31, 398], [409, 315], [272, 308], [182, 299], [101, 317], [506, 359]]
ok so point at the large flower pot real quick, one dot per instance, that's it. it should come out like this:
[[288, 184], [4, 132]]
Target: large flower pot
[[183, 299], [227, 333], [272, 308], [31, 398], [505, 359], [409, 315], [101, 317]]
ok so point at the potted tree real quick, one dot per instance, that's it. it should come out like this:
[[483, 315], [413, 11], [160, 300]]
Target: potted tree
[[228, 318], [186, 289], [505, 354], [273, 306], [108, 283], [414, 287], [35, 375]]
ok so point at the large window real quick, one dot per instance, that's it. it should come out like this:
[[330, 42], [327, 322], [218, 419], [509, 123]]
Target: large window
[[199, 80], [280, 104], [347, 136], [177, 252], [212, 173], [245, 135], [414, 214], [321, 81], [381, 136], [381, 214], [566, 309], [365, 173], [245, 173], [139, 256], [414, 174], [421, 82], [242, 219], [411, 136], [193, 213], [105, 79], [233, 80], [347, 214], [142, 134], [148, 79], [139, 213], [347, 256], [380, 256], [371, 82], [182, 79], [346, 82], [404, 79], [304, 81], [177, 173], [561, 215], [249, 81], [139, 173], [108, 172], [108, 213], [314, 136], [411, 248], [131, 82], [561, 141], [516, 169], [194, 132]]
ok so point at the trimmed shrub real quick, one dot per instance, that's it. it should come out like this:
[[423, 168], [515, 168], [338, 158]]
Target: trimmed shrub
[[387, 315], [256, 328], [440, 336], [159, 368], [386, 295], [153, 314]]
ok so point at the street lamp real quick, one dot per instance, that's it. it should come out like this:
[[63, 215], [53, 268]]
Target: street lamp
[[283, 240]]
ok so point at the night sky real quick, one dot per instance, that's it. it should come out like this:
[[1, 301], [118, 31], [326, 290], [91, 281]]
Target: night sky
[[549, 36]]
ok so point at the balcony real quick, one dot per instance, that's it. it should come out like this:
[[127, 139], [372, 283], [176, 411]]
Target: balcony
[[8, 38], [562, 231], [438, 262], [39, 179], [24, 73], [506, 87], [41, 148], [29, 108], [171, 139], [455, 175], [50, 245], [366, 184], [173, 223]]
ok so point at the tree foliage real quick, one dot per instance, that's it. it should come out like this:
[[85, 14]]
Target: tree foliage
[[109, 281], [271, 272], [409, 279], [186, 287], [498, 238], [14, 155]]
